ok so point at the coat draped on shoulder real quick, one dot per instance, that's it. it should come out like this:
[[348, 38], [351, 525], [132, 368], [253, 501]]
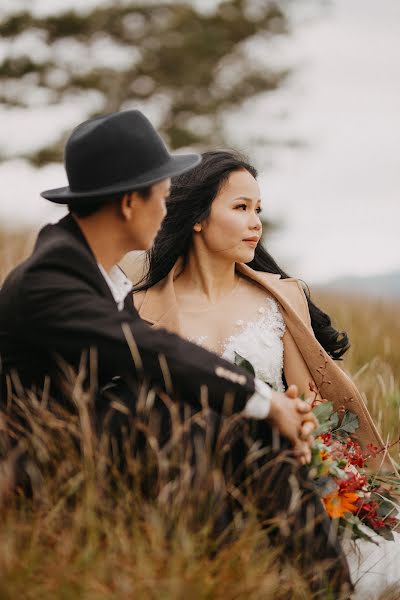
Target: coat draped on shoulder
[[306, 363]]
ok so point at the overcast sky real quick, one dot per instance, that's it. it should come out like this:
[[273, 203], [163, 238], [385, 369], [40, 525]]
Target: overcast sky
[[338, 196]]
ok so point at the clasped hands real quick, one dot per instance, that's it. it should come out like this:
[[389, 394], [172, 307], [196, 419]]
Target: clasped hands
[[294, 420]]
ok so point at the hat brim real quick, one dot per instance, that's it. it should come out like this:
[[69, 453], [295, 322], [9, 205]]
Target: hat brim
[[177, 164]]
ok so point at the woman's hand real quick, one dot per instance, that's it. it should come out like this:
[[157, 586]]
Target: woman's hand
[[294, 420]]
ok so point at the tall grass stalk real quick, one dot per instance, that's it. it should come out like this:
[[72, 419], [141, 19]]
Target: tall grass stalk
[[79, 526]]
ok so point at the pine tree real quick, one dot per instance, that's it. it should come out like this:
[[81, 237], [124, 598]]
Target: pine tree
[[193, 66]]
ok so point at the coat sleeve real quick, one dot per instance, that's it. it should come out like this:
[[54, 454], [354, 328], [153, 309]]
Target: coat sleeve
[[66, 315], [345, 393]]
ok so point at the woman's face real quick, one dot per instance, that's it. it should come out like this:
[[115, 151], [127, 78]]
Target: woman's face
[[233, 228]]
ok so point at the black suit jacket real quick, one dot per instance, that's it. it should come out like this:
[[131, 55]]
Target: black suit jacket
[[57, 305]]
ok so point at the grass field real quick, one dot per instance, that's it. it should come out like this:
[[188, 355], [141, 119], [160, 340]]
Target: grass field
[[75, 541], [374, 357]]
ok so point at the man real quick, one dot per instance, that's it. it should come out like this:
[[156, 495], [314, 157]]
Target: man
[[69, 300]]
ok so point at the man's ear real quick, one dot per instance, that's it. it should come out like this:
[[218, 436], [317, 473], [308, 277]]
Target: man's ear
[[126, 206]]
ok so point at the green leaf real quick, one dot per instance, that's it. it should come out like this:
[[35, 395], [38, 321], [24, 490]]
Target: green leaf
[[358, 529], [387, 506], [349, 423], [386, 533], [244, 364], [359, 533], [323, 428], [323, 411], [337, 472], [328, 420], [334, 420], [325, 485]]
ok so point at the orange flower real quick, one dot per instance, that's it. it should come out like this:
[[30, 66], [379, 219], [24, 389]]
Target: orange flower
[[324, 454], [339, 503]]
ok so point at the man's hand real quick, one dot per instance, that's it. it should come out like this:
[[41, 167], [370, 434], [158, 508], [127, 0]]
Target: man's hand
[[294, 420], [310, 421]]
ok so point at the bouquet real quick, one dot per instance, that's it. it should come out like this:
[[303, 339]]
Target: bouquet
[[363, 502]]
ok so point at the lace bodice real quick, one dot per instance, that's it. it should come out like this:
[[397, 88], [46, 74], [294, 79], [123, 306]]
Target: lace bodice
[[259, 341]]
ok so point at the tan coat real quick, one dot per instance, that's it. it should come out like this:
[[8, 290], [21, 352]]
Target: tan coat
[[305, 360]]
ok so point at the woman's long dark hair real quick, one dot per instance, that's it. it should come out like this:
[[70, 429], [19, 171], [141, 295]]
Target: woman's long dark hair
[[192, 195]]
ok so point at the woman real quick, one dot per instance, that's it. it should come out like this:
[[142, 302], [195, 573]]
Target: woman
[[210, 280]]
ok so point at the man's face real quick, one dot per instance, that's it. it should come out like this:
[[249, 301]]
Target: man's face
[[147, 215]]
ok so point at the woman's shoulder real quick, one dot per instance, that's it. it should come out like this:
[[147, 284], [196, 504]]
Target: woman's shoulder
[[291, 286], [160, 296], [289, 289]]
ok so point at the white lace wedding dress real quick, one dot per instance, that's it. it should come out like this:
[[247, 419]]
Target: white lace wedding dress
[[259, 340]]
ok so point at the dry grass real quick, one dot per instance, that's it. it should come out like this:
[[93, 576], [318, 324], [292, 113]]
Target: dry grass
[[15, 245], [374, 357], [89, 531], [86, 533]]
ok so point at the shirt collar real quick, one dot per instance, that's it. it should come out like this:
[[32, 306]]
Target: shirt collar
[[118, 282]]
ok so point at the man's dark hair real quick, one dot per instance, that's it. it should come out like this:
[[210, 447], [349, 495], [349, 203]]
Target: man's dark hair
[[91, 206]]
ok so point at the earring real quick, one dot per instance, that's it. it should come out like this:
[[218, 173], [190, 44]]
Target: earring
[[197, 226]]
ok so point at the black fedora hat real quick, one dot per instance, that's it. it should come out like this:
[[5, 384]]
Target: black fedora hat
[[116, 153]]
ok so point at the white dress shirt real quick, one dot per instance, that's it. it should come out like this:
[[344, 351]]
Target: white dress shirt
[[259, 403], [118, 283]]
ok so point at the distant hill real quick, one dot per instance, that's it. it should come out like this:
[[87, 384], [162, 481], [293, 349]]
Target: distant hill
[[386, 285]]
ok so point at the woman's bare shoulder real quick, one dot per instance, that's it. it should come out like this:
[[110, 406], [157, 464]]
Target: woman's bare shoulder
[[253, 290]]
